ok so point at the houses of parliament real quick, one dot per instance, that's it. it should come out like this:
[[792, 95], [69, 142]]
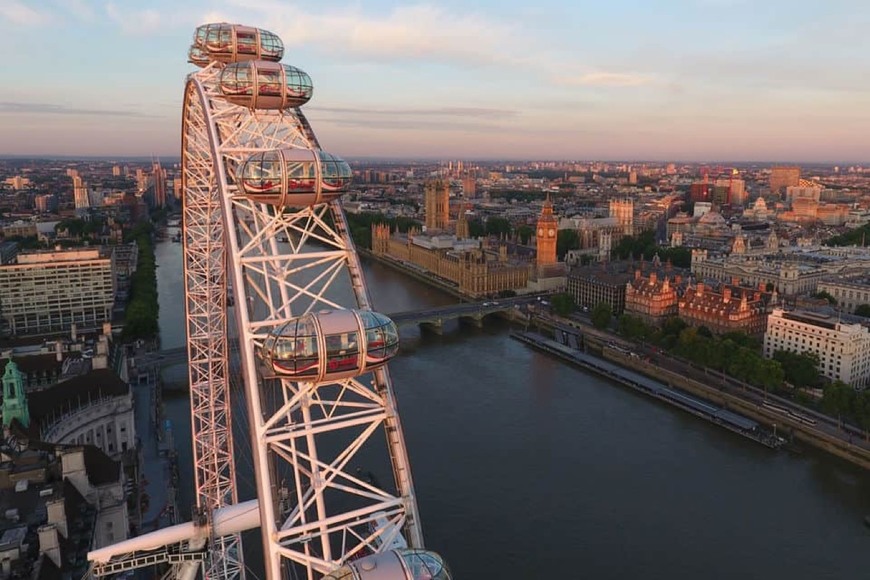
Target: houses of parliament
[[476, 267]]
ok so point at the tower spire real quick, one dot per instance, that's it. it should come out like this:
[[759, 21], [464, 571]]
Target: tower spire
[[14, 398]]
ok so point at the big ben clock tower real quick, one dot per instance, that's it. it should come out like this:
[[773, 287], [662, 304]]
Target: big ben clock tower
[[546, 235]]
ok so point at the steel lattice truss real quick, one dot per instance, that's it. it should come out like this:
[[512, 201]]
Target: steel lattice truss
[[310, 440], [205, 284]]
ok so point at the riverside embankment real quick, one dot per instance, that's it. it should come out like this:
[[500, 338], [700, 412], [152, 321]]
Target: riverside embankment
[[790, 419]]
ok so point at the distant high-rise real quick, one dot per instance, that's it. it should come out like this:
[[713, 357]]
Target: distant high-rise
[[80, 193], [18, 182], [46, 203], [141, 181], [469, 186], [782, 177], [116, 171], [436, 200], [158, 178]]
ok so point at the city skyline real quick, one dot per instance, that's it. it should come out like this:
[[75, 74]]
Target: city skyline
[[696, 80]]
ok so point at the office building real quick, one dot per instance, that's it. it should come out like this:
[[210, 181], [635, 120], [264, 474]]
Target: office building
[[46, 292], [843, 348], [783, 177]]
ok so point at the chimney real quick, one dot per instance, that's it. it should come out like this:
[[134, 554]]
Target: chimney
[[72, 331], [726, 295], [57, 515], [107, 329], [735, 281], [73, 464], [699, 289], [637, 274], [653, 278], [58, 351], [49, 544]]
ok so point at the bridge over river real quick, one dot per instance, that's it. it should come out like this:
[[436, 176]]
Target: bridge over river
[[432, 318]]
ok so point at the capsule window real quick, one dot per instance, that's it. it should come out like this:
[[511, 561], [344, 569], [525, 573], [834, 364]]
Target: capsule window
[[246, 42], [342, 352], [271, 46], [261, 174], [269, 83], [300, 176]]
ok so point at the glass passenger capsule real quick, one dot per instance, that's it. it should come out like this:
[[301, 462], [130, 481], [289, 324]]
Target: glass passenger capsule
[[293, 177], [260, 84], [394, 565], [224, 42], [330, 345]]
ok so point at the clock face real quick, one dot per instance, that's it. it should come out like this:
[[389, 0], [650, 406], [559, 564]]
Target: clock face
[[540, 231], [552, 232]]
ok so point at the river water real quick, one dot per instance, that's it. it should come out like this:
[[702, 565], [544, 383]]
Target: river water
[[527, 468]]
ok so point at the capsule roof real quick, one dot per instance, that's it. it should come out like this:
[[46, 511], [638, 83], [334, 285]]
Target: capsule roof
[[395, 565], [260, 84], [293, 177], [224, 42]]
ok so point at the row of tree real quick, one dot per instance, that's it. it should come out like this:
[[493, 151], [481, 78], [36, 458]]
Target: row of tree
[[856, 237], [842, 401], [738, 355], [141, 315], [644, 246]]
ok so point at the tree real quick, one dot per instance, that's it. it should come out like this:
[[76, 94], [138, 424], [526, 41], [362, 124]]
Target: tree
[[801, 370], [496, 226], [567, 240], [476, 228], [601, 315], [563, 304], [863, 310], [632, 327], [838, 399], [822, 294], [525, 234]]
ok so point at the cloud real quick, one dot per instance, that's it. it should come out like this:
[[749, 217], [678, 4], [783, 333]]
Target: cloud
[[482, 113], [407, 33], [604, 79], [7, 107], [80, 9], [20, 14], [139, 22]]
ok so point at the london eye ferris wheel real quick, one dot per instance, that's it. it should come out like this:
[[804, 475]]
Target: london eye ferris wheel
[[312, 364]]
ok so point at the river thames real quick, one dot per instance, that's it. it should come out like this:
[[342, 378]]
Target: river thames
[[528, 468]]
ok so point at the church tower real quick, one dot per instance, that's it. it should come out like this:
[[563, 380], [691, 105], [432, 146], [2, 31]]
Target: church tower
[[546, 235], [14, 399]]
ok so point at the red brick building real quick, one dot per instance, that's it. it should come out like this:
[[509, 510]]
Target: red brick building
[[652, 298], [733, 308]]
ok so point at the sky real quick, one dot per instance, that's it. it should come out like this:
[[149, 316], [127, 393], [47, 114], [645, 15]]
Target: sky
[[694, 80]]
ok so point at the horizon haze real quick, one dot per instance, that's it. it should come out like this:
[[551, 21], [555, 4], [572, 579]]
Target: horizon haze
[[697, 80]]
